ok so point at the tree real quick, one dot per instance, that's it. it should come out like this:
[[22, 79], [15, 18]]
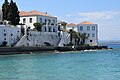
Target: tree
[[83, 37], [38, 26], [10, 12], [64, 25], [13, 15], [79, 38], [73, 35], [5, 9], [17, 17]]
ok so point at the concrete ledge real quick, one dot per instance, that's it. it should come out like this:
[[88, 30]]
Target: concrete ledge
[[20, 50]]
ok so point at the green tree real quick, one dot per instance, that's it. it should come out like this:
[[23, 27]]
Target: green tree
[[10, 12], [13, 15], [73, 35], [38, 26], [17, 16], [5, 9], [64, 25], [78, 38], [83, 37]]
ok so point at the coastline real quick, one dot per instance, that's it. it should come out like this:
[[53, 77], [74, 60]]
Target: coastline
[[28, 50]]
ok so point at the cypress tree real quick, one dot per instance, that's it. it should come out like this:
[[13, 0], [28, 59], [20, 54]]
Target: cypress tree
[[17, 17], [13, 15], [10, 12], [5, 9]]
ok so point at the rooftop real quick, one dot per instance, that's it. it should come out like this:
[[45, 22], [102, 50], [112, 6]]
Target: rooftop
[[86, 22], [34, 13], [71, 25]]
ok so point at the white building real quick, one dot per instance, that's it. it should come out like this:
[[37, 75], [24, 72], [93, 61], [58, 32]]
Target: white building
[[9, 34], [48, 35], [29, 18], [1, 16], [91, 29], [71, 26]]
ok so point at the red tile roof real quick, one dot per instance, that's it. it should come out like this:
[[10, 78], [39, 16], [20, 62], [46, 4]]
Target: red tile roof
[[85, 22], [34, 13], [71, 25]]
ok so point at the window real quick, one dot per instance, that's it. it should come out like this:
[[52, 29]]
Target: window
[[93, 27], [93, 35], [49, 29], [88, 35], [53, 30], [24, 20], [45, 20], [4, 30], [45, 29], [88, 27], [49, 21], [30, 20], [40, 20], [53, 21], [81, 27]]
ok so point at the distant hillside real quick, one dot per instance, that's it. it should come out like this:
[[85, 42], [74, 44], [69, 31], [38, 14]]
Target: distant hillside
[[109, 42]]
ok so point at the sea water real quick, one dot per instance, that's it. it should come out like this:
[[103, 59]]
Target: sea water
[[81, 65]]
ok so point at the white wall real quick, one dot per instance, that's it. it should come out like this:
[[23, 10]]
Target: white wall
[[65, 37], [90, 32], [9, 34], [41, 19], [27, 21], [39, 38], [73, 28], [1, 15]]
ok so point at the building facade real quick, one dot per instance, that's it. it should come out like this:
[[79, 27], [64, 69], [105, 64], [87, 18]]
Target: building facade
[[1, 16], [71, 26], [48, 35], [91, 29], [29, 18], [9, 34]]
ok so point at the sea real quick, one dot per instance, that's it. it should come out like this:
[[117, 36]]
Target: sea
[[79, 65]]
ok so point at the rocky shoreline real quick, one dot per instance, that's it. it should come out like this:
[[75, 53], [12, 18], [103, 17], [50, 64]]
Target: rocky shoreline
[[27, 50]]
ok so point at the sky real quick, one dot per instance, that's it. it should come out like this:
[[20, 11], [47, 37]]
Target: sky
[[105, 13]]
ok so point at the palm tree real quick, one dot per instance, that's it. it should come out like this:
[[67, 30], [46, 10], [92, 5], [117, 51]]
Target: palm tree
[[83, 37], [78, 38], [73, 35]]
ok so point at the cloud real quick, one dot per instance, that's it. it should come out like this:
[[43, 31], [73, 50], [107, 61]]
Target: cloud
[[68, 15], [108, 17], [103, 15]]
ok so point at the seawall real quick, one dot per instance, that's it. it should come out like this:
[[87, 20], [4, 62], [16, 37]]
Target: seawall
[[19, 50]]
